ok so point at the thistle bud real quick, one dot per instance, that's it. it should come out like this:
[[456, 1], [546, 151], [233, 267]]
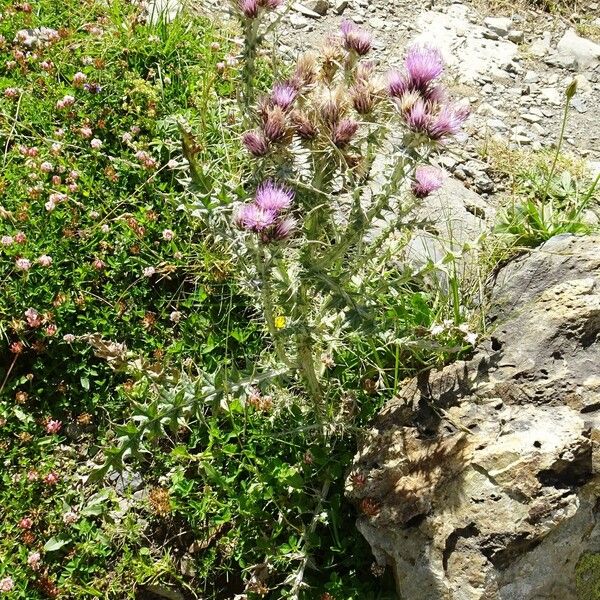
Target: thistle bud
[[274, 126], [343, 132], [303, 125], [256, 143]]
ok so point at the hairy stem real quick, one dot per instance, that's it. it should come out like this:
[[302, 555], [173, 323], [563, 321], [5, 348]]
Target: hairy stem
[[266, 291]]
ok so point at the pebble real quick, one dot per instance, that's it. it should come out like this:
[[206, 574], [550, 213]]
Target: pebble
[[499, 26], [552, 95], [340, 6]]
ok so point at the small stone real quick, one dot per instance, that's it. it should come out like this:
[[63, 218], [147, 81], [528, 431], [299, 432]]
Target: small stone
[[524, 140], [319, 7], [551, 95], [576, 52], [531, 77], [376, 23], [516, 36], [298, 21], [340, 6], [499, 25], [583, 85], [531, 118], [304, 10], [541, 46]]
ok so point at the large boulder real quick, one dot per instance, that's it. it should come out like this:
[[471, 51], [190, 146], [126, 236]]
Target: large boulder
[[480, 480]]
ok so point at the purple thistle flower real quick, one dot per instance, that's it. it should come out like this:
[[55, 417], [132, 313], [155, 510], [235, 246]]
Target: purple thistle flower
[[428, 179], [447, 122], [284, 228], [397, 83], [423, 64], [343, 132], [256, 143], [418, 117], [249, 8], [283, 95], [274, 198], [356, 39], [347, 27], [254, 218], [437, 94]]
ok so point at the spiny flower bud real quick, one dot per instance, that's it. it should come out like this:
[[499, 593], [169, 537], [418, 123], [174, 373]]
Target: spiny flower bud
[[256, 143], [343, 132], [356, 39], [274, 126], [306, 70], [332, 106], [363, 98], [249, 8], [303, 125]]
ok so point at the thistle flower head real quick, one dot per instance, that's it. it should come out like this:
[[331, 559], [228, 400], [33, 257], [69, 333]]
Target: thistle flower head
[[332, 106], [408, 100], [283, 95], [343, 132], [447, 122], [418, 117], [305, 128], [428, 179], [256, 143], [273, 197], [306, 70], [249, 8], [364, 70], [356, 39], [253, 218], [274, 126], [284, 229], [397, 83], [363, 98], [423, 65]]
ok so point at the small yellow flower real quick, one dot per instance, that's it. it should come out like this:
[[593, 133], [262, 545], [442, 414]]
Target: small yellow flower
[[280, 322]]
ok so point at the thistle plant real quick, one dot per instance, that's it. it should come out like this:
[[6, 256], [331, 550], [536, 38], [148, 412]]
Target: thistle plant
[[340, 158], [253, 16]]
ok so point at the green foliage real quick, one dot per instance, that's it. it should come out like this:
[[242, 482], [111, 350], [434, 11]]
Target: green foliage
[[588, 577], [548, 210]]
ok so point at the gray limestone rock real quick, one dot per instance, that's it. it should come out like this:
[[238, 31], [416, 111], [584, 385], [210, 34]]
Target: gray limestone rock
[[481, 480], [575, 52]]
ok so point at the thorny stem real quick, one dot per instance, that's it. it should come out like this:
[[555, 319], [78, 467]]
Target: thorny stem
[[251, 45], [267, 301]]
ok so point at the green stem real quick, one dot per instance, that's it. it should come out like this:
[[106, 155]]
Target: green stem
[[558, 148], [267, 301]]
